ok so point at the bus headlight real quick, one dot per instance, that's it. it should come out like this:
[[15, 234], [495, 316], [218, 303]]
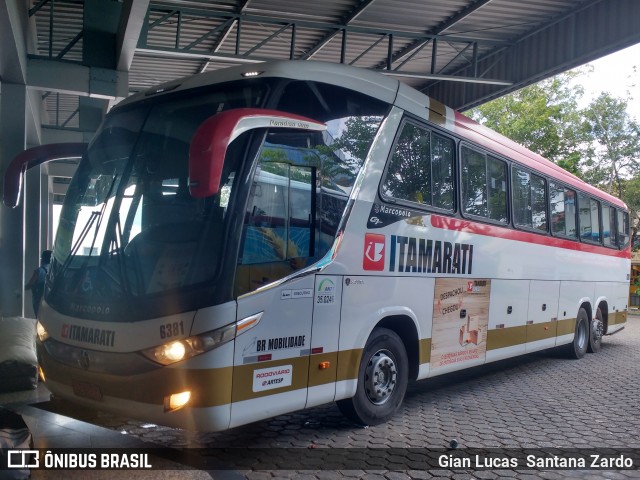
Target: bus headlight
[[42, 333], [171, 352], [177, 350]]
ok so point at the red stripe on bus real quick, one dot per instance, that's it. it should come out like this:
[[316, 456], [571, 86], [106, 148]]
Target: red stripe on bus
[[468, 226]]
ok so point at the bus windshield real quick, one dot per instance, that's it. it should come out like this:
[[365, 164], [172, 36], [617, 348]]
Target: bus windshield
[[133, 243], [129, 227]]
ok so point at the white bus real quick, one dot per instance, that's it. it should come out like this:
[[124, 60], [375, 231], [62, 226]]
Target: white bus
[[262, 239]]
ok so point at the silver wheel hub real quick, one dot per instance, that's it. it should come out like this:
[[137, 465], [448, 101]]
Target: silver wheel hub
[[598, 329], [380, 377], [582, 334]]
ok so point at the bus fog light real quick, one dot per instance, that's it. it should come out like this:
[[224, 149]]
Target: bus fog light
[[176, 401]]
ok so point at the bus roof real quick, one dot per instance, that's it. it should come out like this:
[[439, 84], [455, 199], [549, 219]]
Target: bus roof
[[375, 85], [389, 90]]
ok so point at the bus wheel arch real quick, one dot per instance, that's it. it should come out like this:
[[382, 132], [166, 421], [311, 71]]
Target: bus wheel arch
[[597, 329], [405, 328], [604, 310], [383, 376]]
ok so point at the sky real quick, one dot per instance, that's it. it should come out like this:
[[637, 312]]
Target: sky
[[615, 74]]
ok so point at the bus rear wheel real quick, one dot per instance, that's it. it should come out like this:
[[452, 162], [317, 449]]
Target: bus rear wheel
[[382, 380], [578, 347], [595, 333]]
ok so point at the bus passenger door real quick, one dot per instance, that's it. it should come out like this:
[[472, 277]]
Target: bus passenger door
[[542, 318], [272, 358], [278, 239]]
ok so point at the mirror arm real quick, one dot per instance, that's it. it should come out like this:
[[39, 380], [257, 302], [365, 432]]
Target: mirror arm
[[209, 144], [33, 157]]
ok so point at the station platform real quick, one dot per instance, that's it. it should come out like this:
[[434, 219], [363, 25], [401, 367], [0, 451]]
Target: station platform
[[51, 430], [540, 401]]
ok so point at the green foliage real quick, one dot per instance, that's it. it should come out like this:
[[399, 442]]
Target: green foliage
[[613, 154], [356, 140], [599, 143], [631, 193], [349, 150], [543, 117]]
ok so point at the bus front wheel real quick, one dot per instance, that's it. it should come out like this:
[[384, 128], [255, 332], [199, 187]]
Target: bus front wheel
[[382, 380], [595, 333], [578, 347]]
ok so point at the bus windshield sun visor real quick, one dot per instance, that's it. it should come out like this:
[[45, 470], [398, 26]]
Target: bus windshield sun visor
[[210, 142], [33, 157]]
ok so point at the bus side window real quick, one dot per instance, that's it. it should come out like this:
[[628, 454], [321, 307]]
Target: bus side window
[[484, 189], [563, 210], [595, 221], [421, 169], [623, 228], [589, 218], [584, 209], [529, 200], [609, 226]]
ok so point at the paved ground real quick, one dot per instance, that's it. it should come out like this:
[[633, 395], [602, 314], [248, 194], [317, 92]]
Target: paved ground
[[539, 401]]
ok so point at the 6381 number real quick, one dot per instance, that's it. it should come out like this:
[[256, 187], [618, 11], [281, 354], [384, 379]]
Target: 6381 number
[[170, 330]]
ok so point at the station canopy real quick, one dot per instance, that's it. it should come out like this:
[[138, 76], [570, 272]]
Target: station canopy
[[82, 56]]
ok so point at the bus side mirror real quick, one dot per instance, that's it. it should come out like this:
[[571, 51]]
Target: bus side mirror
[[33, 157], [209, 144]]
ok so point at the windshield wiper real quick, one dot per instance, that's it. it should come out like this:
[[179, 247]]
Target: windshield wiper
[[117, 241], [97, 230], [76, 246], [95, 215]]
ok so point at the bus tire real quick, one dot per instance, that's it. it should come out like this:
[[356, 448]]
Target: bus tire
[[578, 347], [596, 331], [382, 380]]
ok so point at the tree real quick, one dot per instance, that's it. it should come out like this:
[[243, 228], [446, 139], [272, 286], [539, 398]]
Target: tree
[[600, 143], [356, 139], [613, 152], [631, 196], [348, 149], [543, 117]]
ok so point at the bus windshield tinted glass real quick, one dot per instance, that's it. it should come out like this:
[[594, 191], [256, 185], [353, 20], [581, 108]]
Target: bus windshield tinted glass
[[129, 227]]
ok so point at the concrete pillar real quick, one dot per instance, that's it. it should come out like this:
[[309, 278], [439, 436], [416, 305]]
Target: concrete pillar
[[100, 27], [91, 113], [13, 122]]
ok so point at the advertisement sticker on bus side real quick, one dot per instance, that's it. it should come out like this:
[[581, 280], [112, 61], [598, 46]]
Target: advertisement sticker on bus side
[[460, 321]]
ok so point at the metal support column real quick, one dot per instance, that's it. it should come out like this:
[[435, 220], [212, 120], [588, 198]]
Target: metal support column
[[33, 207], [46, 211], [13, 125]]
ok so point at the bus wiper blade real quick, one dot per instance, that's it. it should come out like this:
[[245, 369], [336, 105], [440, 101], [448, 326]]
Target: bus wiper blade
[[117, 241], [85, 230], [102, 210], [76, 246]]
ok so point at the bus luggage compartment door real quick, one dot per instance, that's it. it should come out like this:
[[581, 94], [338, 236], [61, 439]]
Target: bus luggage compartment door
[[507, 333], [542, 317], [272, 358]]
